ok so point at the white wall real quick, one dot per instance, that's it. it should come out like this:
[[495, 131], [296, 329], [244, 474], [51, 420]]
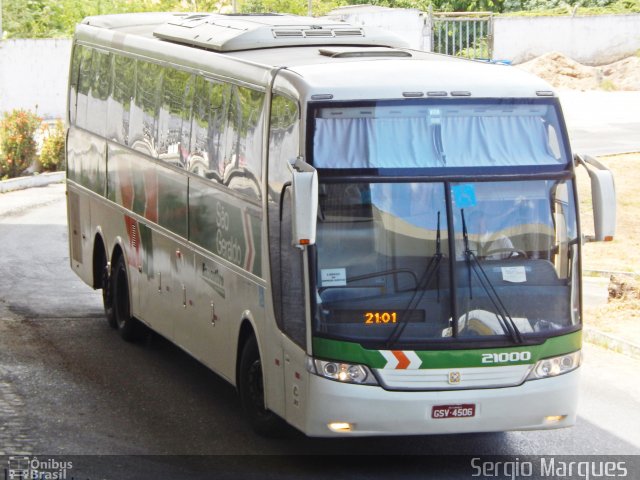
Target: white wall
[[406, 23], [34, 73], [592, 40]]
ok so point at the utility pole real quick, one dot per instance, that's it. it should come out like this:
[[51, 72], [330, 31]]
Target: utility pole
[[1, 21]]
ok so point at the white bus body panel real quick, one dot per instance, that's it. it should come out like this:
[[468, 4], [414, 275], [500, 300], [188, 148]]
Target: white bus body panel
[[374, 411]]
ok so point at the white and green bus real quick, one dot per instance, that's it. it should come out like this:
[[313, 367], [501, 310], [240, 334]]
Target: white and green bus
[[364, 239]]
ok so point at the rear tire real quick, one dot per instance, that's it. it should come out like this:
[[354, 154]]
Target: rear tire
[[251, 388], [128, 327]]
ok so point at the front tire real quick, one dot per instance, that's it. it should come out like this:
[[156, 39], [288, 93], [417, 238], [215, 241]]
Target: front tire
[[128, 327], [251, 388]]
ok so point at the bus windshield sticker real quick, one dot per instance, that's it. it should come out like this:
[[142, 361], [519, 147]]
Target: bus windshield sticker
[[334, 277], [514, 274], [464, 195]]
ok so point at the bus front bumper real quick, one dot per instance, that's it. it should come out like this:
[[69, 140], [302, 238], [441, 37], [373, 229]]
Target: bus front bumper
[[370, 410]]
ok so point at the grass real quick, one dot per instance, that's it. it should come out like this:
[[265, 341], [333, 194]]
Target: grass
[[621, 318]]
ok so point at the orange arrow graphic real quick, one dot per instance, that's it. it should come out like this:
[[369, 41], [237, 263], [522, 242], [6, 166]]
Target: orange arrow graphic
[[403, 360]]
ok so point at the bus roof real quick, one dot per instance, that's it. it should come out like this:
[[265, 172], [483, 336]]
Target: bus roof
[[321, 56]]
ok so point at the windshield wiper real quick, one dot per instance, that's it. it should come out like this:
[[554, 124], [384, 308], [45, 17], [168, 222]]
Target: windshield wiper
[[505, 319], [432, 267]]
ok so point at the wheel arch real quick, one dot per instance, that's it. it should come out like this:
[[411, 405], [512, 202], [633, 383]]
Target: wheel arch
[[100, 260], [117, 251], [246, 331]]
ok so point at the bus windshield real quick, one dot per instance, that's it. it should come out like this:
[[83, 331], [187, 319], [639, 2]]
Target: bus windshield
[[385, 263], [401, 261]]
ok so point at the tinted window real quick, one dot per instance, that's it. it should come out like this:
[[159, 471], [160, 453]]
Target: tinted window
[[208, 138], [143, 129], [286, 261], [73, 82], [123, 92], [99, 92], [283, 138], [84, 86], [243, 162], [175, 116]]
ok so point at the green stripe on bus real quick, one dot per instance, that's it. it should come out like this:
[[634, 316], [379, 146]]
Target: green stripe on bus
[[355, 353]]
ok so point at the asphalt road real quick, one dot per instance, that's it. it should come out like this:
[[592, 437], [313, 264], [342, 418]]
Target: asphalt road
[[70, 386]]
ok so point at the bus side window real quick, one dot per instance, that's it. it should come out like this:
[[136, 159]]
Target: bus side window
[[73, 82], [286, 261], [143, 129], [123, 92], [292, 278], [210, 111], [84, 86], [99, 92], [174, 117], [243, 159]]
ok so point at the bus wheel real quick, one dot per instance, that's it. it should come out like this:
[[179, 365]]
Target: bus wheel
[[128, 327], [107, 298], [251, 389]]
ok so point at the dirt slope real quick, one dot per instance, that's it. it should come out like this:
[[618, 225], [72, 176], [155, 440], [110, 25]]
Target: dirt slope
[[563, 72]]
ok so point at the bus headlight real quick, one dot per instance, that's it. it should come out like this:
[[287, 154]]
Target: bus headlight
[[551, 367], [342, 372]]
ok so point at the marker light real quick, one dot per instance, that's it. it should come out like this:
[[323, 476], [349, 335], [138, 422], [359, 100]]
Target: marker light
[[340, 427], [554, 418], [342, 372], [551, 367]]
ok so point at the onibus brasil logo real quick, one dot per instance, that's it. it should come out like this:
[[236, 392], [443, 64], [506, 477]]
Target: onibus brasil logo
[[34, 468]]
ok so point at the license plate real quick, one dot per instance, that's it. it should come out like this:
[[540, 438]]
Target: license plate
[[454, 411]]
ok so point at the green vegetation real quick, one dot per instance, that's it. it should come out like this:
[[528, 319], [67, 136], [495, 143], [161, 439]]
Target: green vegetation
[[57, 18], [52, 154], [17, 142], [18, 145], [478, 50]]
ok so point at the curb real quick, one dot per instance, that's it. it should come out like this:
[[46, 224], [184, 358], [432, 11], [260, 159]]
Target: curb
[[607, 273], [610, 342], [21, 183]]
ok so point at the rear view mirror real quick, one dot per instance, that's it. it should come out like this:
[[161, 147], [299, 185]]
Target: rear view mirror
[[603, 194], [304, 186]]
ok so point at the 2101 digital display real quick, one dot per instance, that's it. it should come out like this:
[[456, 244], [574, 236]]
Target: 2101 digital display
[[373, 318]]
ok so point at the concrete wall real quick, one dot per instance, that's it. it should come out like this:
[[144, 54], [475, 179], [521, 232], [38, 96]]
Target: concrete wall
[[406, 23], [592, 40], [33, 75]]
